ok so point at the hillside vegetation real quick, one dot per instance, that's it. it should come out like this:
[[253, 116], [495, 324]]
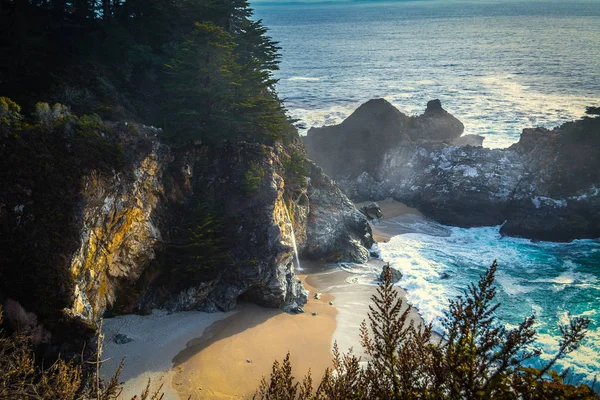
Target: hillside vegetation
[[201, 69]]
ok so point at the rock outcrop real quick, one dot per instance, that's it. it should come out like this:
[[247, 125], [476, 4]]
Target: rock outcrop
[[544, 187], [371, 211], [335, 229], [130, 226], [360, 142], [133, 219]]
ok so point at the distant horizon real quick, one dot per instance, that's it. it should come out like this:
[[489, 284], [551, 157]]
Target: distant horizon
[[304, 2]]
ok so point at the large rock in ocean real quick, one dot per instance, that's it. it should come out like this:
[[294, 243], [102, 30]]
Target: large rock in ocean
[[544, 187], [360, 142]]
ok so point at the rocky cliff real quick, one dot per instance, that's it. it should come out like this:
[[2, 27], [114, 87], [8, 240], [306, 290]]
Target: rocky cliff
[[127, 222], [544, 187], [194, 227]]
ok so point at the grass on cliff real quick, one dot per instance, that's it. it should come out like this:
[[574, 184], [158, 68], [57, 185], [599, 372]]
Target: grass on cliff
[[478, 357]]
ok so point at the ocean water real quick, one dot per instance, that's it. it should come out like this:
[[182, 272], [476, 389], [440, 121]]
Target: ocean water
[[553, 281], [498, 66]]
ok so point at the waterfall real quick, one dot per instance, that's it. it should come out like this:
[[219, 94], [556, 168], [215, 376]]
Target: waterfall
[[295, 249], [293, 238]]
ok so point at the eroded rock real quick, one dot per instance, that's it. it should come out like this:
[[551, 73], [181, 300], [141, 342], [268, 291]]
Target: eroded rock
[[544, 187]]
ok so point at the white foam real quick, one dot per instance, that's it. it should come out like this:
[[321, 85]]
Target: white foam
[[437, 268], [303, 78]]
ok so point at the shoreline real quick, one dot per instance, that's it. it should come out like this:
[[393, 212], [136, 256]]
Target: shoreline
[[198, 355], [234, 354], [396, 216]]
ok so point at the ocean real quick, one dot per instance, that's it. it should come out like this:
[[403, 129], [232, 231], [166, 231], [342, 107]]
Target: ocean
[[499, 67]]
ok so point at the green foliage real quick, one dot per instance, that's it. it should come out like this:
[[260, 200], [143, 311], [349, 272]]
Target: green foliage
[[295, 169], [253, 178], [198, 251], [201, 69], [478, 358], [202, 83], [51, 116], [10, 114]]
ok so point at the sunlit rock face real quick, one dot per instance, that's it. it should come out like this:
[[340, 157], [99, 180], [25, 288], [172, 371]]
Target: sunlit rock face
[[120, 230], [128, 219], [336, 230], [544, 187]]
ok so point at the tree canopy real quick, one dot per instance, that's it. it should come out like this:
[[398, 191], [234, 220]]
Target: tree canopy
[[202, 69]]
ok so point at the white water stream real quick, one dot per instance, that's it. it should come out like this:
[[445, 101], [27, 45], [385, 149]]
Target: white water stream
[[294, 239]]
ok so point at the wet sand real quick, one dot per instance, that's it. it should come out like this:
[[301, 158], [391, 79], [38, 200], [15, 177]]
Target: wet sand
[[215, 366], [352, 301]]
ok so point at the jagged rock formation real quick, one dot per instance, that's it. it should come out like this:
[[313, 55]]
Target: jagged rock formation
[[127, 219], [335, 229], [126, 226], [544, 187], [359, 143], [371, 211]]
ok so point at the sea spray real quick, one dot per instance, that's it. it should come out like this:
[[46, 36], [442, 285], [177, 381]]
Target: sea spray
[[553, 281]]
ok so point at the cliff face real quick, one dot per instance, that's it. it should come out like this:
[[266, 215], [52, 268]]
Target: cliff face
[[544, 187], [329, 209], [120, 228], [128, 223]]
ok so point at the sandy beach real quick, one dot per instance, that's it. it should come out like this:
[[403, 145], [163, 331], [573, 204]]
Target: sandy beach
[[224, 355], [229, 361], [396, 216], [157, 338]]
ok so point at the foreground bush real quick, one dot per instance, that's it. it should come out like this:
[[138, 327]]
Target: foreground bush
[[21, 377], [478, 358]]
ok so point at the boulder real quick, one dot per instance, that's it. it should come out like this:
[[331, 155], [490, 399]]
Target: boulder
[[395, 274], [122, 339], [371, 211], [469, 140]]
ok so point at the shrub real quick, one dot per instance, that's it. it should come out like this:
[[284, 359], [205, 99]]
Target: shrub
[[295, 169], [21, 377], [50, 116], [253, 177], [478, 358], [10, 113]]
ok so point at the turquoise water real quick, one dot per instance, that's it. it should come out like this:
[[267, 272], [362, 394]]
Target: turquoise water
[[498, 66], [549, 280]]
